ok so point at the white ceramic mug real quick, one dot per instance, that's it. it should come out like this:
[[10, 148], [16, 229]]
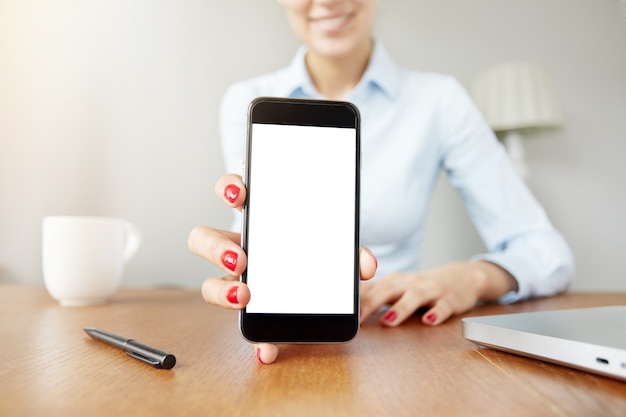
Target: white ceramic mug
[[83, 257]]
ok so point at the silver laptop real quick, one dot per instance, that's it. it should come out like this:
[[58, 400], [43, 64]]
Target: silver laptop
[[591, 339]]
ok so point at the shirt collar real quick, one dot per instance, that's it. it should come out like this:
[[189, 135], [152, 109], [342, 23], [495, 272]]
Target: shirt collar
[[298, 83], [381, 72]]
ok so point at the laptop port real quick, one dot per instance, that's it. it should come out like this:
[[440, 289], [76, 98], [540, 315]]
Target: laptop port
[[602, 360]]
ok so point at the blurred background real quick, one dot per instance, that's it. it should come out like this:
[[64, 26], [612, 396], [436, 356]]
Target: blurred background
[[110, 107]]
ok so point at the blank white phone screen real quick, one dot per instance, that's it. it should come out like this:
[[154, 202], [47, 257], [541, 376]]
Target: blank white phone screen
[[301, 219]]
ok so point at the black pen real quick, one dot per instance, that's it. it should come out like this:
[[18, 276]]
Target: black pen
[[144, 353]]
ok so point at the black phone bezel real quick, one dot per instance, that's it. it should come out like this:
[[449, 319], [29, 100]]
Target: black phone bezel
[[303, 328]]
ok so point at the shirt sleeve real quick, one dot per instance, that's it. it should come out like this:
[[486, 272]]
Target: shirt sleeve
[[516, 231]]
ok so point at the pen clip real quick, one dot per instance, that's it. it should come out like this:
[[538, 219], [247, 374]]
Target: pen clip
[[137, 356]]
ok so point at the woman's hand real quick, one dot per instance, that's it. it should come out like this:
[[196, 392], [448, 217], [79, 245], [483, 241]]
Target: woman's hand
[[224, 250], [452, 289]]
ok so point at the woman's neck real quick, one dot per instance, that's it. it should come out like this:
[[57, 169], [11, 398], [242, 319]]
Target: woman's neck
[[335, 77]]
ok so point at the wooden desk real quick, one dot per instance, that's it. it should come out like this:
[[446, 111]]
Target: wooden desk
[[48, 366]]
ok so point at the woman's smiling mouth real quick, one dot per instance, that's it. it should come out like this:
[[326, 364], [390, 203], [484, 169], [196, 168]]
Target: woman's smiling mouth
[[331, 23]]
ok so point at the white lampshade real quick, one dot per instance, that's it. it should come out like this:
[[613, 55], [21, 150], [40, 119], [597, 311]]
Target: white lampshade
[[517, 95]]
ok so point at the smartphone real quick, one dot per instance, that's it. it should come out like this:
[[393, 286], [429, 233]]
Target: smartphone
[[300, 225]]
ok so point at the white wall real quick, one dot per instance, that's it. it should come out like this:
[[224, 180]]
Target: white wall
[[110, 108]]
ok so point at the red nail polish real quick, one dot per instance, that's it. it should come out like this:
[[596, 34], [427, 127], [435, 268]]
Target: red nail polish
[[231, 192], [232, 295], [432, 317], [229, 259], [390, 316], [258, 355]]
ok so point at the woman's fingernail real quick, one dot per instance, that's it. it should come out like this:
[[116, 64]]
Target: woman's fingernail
[[231, 192], [229, 259], [258, 355], [432, 317], [390, 316], [232, 295]]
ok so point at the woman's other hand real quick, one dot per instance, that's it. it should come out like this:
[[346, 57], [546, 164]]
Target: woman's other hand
[[446, 291]]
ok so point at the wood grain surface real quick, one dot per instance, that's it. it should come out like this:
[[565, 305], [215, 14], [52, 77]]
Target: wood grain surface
[[49, 366]]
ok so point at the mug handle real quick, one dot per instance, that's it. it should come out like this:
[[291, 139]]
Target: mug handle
[[133, 240]]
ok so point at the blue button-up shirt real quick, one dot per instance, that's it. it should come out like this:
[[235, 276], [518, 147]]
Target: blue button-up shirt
[[413, 126]]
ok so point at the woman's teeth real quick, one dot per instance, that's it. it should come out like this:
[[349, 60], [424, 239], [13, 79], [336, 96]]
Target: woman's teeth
[[332, 23]]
